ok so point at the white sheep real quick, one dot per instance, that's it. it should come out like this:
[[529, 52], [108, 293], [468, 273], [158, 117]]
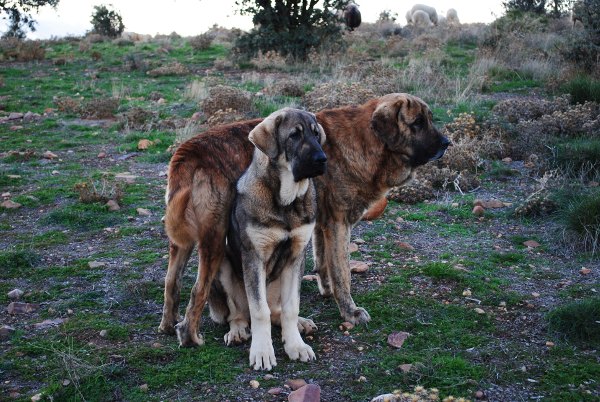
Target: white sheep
[[421, 19], [409, 17], [452, 17], [430, 11]]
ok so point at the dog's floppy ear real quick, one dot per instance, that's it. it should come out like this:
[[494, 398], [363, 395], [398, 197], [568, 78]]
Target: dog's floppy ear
[[384, 122], [263, 136]]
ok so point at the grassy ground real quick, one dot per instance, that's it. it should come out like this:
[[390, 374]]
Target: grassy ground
[[473, 298]]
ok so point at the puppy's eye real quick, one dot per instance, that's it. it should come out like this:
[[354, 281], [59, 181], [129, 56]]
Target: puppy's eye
[[295, 135], [419, 122]]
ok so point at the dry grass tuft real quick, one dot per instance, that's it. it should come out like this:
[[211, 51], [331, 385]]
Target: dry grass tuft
[[99, 108], [174, 68], [412, 193], [223, 97], [286, 87], [137, 118], [331, 94], [102, 191]]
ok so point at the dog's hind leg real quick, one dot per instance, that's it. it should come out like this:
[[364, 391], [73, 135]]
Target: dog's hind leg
[[236, 303], [178, 258]]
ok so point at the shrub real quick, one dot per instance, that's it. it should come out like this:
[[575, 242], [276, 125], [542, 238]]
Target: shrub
[[107, 22], [174, 68], [332, 94], [21, 50], [222, 97], [99, 108], [201, 42], [583, 89], [577, 321], [102, 191], [580, 156], [135, 62], [582, 216]]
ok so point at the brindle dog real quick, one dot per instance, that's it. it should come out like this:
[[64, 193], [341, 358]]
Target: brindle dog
[[272, 221], [370, 148]]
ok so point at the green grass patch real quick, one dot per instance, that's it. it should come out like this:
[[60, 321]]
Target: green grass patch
[[578, 321], [583, 89], [83, 217], [579, 156]]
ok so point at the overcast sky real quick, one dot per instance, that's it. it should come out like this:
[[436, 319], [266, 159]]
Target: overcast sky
[[192, 17]]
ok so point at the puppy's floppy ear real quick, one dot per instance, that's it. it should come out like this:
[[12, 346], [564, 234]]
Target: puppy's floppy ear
[[263, 136], [384, 122], [320, 128]]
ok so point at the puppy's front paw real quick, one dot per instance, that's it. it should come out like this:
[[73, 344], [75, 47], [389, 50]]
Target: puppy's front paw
[[262, 355], [238, 333], [306, 326], [299, 351]]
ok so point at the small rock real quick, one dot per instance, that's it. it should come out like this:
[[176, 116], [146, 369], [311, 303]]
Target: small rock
[[386, 398], [103, 333], [161, 101], [502, 304], [531, 244], [196, 116], [396, 339], [310, 278], [15, 116], [15, 294], [48, 323], [10, 204], [13, 176], [15, 128], [268, 377], [22, 308], [359, 241], [535, 294], [157, 345], [352, 247], [307, 393], [113, 205], [254, 384], [358, 267], [275, 391], [6, 195], [49, 155], [480, 394], [66, 383], [144, 387], [346, 326], [455, 205], [507, 160], [96, 264], [362, 378], [36, 398], [295, 384], [143, 212], [102, 155], [404, 245], [585, 271], [549, 344], [6, 331], [405, 368], [479, 310], [69, 311], [144, 144], [29, 116], [478, 210], [126, 177], [466, 293]]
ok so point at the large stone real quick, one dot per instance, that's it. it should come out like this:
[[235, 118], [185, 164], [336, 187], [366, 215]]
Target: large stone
[[358, 267], [22, 308], [15, 116], [48, 323], [10, 204], [6, 331], [307, 393], [396, 339], [295, 384], [15, 294]]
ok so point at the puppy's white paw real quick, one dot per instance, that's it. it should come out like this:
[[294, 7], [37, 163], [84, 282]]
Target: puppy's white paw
[[238, 333], [306, 326], [299, 351], [262, 355]]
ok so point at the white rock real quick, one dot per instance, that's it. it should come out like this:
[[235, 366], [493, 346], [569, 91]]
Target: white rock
[[15, 294]]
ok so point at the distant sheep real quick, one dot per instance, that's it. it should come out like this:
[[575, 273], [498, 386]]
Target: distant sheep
[[352, 16], [409, 17], [452, 17], [430, 11], [421, 19]]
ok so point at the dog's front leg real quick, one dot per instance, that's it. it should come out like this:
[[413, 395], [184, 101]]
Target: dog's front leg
[[290, 307], [262, 355], [336, 238]]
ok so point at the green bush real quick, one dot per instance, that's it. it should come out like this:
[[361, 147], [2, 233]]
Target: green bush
[[580, 156], [582, 216], [107, 22], [578, 321], [583, 89]]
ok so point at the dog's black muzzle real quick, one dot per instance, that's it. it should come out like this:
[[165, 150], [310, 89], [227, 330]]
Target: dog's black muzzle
[[312, 162], [445, 143]]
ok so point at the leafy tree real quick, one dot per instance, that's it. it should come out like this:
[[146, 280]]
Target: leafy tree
[[18, 13], [532, 6], [290, 27], [107, 22]]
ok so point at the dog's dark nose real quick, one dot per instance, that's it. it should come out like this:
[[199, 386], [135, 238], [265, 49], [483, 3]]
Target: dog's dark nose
[[319, 157], [446, 142]]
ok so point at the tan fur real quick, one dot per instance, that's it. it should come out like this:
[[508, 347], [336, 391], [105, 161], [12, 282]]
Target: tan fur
[[370, 148]]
